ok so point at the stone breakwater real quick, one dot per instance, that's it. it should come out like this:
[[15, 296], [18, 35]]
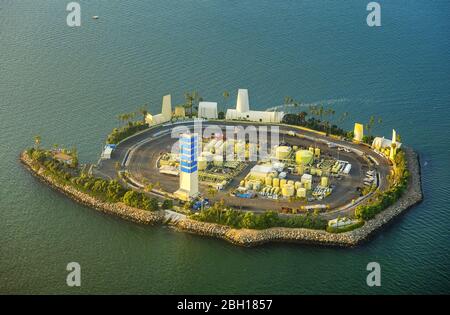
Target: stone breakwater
[[245, 237], [119, 209]]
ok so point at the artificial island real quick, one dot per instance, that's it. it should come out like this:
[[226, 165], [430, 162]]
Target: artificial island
[[246, 176]]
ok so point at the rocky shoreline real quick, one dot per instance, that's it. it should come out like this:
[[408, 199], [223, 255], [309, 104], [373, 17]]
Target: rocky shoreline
[[118, 209], [246, 237]]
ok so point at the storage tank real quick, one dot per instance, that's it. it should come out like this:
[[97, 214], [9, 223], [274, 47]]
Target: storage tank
[[306, 178], [307, 185], [295, 148], [301, 192], [276, 182], [317, 152], [208, 156], [324, 182], [297, 185], [242, 183], [282, 152], [303, 157], [239, 147], [268, 180], [218, 160], [311, 149], [283, 182], [300, 169], [290, 182], [288, 190], [202, 163]]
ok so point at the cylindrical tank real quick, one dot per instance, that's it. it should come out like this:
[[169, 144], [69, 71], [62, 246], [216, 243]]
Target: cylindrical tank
[[298, 185], [276, 182], [283, 182], [290, 182], [311, 149], [307, 185], [282, 152], [303, 157], [218, 160], [268, 180], [288, 190], [324, 182], [239, 147], [242, 183], [201, 162], [295, 148], [317, 152], [208, 156], [301, 192]]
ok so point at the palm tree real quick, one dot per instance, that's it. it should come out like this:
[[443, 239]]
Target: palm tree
[[225, 95], [371, 124], [37, 141], [143, 111], [189, 102], [343, 117], [211, 192]]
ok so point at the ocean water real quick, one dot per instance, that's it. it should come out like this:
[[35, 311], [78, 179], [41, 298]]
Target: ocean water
[[69, 84]]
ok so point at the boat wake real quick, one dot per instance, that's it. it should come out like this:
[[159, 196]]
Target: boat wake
[[288, 107]]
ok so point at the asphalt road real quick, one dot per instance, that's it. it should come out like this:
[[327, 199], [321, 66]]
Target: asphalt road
[[153, 142]]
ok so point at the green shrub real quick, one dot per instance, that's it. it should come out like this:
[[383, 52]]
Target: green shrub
[[167, 204], [346, 228], [118, 134]]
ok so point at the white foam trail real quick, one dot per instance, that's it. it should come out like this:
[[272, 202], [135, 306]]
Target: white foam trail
[[332, 101]]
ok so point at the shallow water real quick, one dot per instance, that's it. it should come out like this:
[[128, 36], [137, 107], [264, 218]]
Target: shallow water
[[69, 84]]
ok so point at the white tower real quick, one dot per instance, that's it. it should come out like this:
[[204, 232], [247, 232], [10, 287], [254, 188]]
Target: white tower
[[166, 109], [188, 167], [242, 104], [393, 150]]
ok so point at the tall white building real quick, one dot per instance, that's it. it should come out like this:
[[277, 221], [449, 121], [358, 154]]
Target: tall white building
[[166, 112], [188, 167], [243, 112]]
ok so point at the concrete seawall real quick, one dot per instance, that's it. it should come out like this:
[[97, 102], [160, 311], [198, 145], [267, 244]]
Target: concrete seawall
[[246, 237], [118, 209]]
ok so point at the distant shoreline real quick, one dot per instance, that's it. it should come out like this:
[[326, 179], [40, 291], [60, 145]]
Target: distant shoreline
[[247, 237]]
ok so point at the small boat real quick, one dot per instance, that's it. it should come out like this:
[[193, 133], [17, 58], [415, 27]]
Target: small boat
[[95, 17]]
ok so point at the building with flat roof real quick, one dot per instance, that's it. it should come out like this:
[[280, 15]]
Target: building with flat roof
[[207, 110], [243, 112]]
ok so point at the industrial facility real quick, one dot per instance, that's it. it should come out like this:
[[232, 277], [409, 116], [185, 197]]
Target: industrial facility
[[243, 112]]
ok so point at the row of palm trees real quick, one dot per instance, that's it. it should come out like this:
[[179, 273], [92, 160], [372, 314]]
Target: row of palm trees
[[322, 113]]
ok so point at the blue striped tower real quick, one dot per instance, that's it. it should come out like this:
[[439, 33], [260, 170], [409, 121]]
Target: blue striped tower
[[188, 167]]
